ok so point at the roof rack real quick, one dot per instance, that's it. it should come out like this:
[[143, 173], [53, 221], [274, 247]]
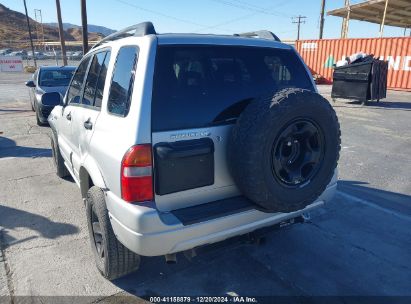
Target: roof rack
[[260, 34], [140, 30]]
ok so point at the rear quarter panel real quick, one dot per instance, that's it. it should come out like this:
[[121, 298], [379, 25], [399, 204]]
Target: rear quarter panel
[[113, 134]]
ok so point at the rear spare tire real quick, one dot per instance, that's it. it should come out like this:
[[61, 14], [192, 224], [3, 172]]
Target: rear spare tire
[[284, 149]]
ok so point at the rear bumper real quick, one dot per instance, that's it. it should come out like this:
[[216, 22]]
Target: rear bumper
[[148, 233]]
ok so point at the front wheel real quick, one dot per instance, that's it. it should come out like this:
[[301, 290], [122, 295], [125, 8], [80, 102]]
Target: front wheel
[[58, 160], [38, 120], [113, 260]]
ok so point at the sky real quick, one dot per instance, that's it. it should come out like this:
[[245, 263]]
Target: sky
[[208, 16]]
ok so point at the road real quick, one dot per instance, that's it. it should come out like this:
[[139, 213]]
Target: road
[[359, 244]]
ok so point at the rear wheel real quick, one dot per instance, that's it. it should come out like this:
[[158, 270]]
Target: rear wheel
[[113, 260]]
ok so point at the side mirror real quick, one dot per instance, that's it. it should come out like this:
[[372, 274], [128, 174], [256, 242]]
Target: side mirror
[[30, 84], [51, 99]]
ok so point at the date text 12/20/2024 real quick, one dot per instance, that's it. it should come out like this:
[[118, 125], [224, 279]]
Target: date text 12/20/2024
[[234, 299]]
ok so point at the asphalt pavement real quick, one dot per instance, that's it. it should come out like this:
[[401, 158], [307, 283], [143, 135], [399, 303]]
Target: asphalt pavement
[[359, 244]]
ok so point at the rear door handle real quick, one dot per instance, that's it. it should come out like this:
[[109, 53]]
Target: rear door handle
[[88, 124], [68, 116]]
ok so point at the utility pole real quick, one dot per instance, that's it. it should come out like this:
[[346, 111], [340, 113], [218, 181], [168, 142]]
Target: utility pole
[[31, 38], [322, 19], [346, 20], [61, 33], [84, 26], [39, 27], [383, 19], [299, 19]]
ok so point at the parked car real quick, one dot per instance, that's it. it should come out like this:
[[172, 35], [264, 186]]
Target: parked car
[[45, 80], [4, 52], [50, 55], [75, 55], [22, 54], [182, 140], [37, 55]]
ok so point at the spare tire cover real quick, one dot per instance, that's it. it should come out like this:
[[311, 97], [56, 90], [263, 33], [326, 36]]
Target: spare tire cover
[[284, 148]]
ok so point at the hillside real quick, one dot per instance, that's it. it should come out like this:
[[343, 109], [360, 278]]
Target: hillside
[[76, 33], [91, 27], [14, 34]]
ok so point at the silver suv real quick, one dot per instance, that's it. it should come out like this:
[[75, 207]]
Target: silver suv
[[182, 140]]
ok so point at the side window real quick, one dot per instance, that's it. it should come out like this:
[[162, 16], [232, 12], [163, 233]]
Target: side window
[[74, 91], [279, 72], [101, 81], [123, 80], [34, 77], [96, 76]]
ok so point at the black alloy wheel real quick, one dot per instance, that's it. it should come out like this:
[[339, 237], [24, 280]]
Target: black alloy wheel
[[97, 235], [298, 153]]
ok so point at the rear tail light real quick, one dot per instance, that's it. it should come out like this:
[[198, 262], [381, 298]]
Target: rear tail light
[[136, 174]]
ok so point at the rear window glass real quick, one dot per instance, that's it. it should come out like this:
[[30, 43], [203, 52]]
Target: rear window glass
[[199, 86], [57, 78]]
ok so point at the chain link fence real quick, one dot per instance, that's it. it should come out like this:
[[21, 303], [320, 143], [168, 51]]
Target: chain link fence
[[44, 54]]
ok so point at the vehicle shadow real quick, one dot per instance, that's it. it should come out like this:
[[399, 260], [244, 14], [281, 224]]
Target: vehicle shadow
[[383, 105], [154, 272], [8, 148], [11, 218], [15, 110], [238, 267], [391, 200]]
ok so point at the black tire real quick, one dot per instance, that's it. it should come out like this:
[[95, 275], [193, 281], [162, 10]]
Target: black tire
[[39, 122], [112, 258], [58, 160], [263, 161], [32, 108]]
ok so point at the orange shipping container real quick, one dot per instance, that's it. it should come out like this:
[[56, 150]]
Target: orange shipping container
[[321, 55]]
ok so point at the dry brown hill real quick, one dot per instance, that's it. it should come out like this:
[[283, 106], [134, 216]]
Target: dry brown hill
[[14, 33], [76, 33]]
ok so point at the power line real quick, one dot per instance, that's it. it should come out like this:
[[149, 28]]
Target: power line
[[234, 20], [256, 10], [239, 18], [249, 4], [299, 20], [249, 7], [226, 22], [166, 16]]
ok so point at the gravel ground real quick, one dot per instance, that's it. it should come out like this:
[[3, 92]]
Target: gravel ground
[[359, 244]]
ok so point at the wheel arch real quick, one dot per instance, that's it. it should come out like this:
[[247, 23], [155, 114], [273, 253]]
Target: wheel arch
[[90, 175]]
